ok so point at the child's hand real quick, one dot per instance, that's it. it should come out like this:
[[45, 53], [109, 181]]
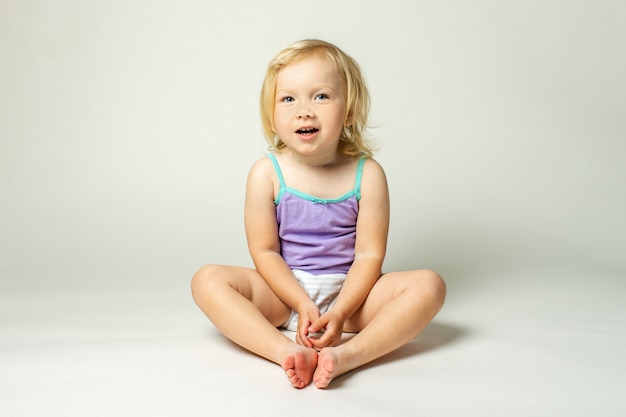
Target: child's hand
[[305, 318], [332, 325]]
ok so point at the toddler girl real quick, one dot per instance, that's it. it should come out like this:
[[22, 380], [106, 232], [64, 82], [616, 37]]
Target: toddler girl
[[316, 220]]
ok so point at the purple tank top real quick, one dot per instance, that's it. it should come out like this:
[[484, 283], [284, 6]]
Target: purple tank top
[[317, 236]]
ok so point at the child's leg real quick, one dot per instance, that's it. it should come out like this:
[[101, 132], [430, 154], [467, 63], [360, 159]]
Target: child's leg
[[244, 308], [398, 308]]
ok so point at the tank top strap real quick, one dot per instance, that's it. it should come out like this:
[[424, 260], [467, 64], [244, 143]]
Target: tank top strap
[[279, 173], [359, 176], [281, 179]]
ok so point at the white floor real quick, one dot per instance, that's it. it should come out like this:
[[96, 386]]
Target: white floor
[[506, 343]]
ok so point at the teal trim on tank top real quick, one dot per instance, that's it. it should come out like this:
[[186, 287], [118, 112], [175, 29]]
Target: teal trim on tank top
[[283, 187]]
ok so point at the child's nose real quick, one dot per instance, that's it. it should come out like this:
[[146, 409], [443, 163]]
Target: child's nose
[[305, 113]]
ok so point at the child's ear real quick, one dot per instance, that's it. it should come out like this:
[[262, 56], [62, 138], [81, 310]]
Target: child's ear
[[349, 120]]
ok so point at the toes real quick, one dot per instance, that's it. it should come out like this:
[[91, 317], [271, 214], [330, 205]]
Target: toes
[[322, 381], [325, 370], [298, 369], [293, 378]]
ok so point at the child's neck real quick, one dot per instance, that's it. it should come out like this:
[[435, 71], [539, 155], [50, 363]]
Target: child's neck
[[317, 161]]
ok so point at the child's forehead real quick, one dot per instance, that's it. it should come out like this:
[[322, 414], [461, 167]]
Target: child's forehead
[[324, 67], [310, 59]]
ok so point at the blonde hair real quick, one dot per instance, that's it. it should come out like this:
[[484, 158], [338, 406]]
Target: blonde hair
[[352, 141]]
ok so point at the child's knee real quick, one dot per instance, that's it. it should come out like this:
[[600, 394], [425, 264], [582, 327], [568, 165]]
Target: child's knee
[[432, 283], [203, 278]]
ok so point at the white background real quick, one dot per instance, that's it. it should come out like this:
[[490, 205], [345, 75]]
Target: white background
[[127, 129]]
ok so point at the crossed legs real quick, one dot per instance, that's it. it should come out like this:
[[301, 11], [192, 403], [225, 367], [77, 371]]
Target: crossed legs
[[244, 308], [398, 308]]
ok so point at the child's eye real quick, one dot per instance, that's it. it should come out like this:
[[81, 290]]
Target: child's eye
[[287, 99], [321, 96]]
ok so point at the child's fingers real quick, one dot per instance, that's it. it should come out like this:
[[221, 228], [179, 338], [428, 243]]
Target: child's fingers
[[318, 325], [327, 339], [303, 340], [303, 334]]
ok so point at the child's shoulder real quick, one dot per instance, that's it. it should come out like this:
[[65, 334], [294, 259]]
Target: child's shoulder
[[261, 170], [374, 179], [373, 166], [262, 180], [262, 165]]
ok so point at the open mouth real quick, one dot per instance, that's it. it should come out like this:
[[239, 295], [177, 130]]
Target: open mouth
[[306, 131]]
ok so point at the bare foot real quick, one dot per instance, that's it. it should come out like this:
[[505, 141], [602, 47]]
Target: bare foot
[[299, 365], [327, 367]]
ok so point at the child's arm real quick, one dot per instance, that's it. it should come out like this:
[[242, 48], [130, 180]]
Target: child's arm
[[371, 244], [264, 246]]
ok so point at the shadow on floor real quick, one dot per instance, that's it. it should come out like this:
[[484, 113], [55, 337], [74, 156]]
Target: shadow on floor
[[433, 337]]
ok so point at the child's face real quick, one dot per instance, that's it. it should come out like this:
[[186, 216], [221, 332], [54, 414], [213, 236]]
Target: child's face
[[310, 106]]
